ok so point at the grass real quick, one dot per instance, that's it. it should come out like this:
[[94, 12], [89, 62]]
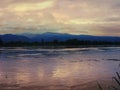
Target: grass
[[116, 78]]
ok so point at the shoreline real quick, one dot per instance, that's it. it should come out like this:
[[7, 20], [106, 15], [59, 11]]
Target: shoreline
[[60, 47]]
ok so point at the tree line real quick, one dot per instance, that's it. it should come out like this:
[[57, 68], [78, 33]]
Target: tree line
[[1, 42], [69, 42]]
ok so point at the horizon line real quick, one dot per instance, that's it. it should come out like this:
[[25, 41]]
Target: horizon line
[[54, 33]]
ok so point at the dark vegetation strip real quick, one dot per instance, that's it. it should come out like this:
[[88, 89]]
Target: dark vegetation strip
[[55, 43]]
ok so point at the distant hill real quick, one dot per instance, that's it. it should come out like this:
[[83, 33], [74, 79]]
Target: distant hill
[[55, 36], [14, 38], [63, 36]]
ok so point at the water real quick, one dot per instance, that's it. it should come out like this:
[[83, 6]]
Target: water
[[58, 69]]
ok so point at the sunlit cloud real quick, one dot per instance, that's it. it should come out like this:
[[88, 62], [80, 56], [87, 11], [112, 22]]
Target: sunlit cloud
[[22, 7], [94, 17]]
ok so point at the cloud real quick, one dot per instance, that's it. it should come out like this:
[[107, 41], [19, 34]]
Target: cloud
[[23, 7], [111, 30], [94, 17]]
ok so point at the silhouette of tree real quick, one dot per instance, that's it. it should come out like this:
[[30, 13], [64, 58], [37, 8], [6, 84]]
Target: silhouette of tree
[[42, 41], [69, 43], [55, 42], [1, 42]]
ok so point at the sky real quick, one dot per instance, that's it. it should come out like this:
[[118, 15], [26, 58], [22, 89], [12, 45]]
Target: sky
[[91, 17]]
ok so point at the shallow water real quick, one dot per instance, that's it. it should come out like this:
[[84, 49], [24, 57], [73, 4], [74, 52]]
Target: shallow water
[[58, 69]]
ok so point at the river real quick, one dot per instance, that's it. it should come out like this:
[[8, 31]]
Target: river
[[58, 69]]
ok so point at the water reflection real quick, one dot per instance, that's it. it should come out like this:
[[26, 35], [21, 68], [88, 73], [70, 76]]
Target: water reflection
[[57, 68]]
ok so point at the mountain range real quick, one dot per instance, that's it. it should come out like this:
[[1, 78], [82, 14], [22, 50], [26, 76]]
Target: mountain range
[[49, 36]]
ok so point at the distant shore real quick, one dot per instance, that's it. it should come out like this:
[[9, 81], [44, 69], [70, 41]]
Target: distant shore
[[70, 43], [61, 47]]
